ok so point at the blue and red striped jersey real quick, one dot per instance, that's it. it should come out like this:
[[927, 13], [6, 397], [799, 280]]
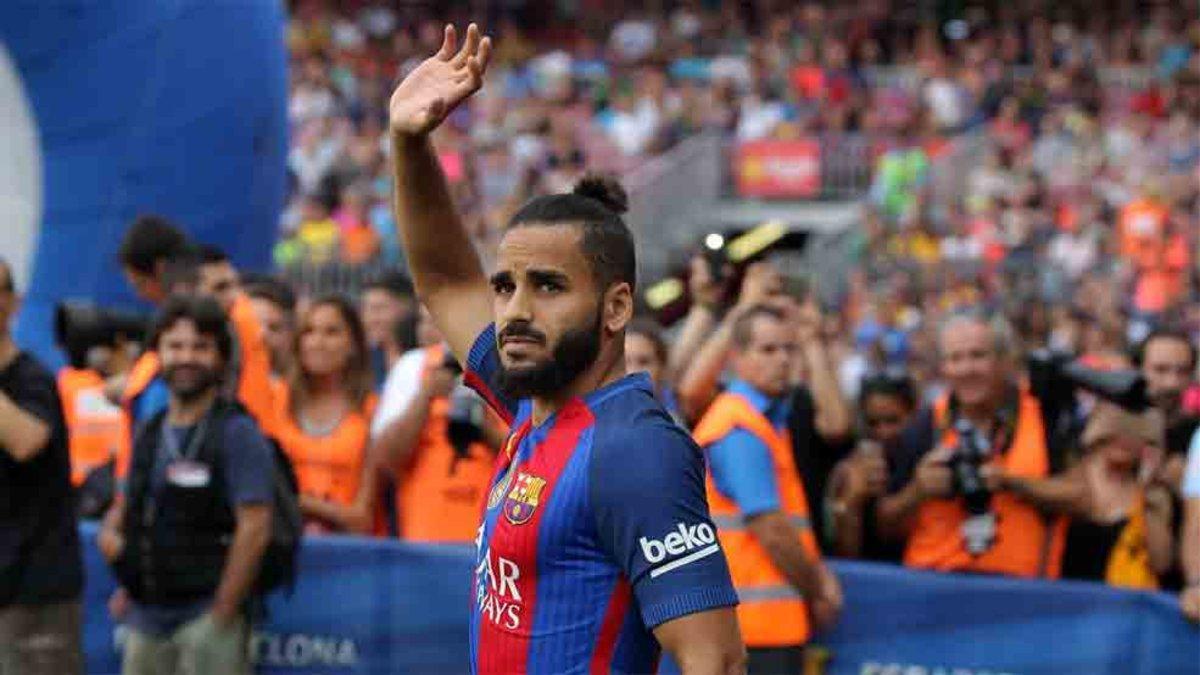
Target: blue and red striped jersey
[[596, 531]]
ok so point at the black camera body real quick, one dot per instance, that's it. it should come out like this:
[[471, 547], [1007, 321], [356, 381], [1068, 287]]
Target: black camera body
[[967, 462], [80, 326]]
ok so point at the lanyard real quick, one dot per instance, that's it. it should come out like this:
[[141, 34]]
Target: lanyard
[[171, 442]]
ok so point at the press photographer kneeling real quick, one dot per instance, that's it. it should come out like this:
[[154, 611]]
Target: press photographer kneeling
[[978, 481]]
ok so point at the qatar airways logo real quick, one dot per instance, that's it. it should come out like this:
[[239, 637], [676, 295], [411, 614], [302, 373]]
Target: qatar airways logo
[[697, 541], [496, 591]]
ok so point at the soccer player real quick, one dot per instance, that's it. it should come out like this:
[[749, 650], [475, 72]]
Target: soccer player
[[596, 545]]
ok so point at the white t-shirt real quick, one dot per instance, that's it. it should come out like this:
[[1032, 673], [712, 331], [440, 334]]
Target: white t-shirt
[[1191, 475], [399, 390]]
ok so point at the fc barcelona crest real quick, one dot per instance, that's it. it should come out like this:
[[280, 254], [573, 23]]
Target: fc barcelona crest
[[524, 498]]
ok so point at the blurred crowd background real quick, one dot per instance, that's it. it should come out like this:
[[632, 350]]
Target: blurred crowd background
[[1035, 162]]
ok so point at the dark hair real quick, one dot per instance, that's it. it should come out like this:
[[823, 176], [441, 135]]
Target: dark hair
[[182, 268], [1166, 333], [595, 205], [393, 282], [211, 255], [9, 284], [648, 329], [743, 327], [900, 387], [359, 381], [203, 312], [275, 291], [148, 241]]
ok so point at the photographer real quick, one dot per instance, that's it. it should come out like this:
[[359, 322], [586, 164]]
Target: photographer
[[97, 345], [437, 440], [976, 480], [187, 541], [41, 573], [1126, 539]]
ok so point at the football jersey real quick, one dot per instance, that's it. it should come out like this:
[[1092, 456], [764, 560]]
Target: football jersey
[[596, 530]]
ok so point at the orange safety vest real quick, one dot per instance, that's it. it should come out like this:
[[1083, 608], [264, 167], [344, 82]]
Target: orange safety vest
[[1025, 546], [328, 467], [98, 431], [254, 370], [441, 496], [771, 611]]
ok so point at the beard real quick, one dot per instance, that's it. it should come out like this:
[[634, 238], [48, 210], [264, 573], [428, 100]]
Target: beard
[[574, 353], [188, 388]]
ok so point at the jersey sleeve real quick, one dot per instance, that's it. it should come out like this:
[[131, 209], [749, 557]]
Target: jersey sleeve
[[647, 493], [483, 374], [744, 472]]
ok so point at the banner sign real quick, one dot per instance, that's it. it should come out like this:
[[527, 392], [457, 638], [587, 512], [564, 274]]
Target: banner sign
[[787, 169], [370, 606]]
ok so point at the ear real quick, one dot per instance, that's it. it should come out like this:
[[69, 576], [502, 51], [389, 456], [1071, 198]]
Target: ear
[[617, 308]]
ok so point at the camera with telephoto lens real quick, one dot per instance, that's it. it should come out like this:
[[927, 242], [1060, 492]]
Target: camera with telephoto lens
[[81, 326], [464, 421]]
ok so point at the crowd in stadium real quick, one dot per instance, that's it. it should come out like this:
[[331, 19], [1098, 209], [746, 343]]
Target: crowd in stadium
[[1071, 228]]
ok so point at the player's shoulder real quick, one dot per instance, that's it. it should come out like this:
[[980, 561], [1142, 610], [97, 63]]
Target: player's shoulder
[[633, 432]]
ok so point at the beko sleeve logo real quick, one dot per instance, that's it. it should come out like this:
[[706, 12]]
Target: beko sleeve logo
[[697, 541]]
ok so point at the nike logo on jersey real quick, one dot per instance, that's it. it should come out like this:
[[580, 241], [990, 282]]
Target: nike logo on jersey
[[697, 541]]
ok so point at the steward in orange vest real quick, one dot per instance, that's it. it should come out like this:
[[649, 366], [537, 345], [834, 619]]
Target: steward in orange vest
[[441, 493], [98, 432], [329, 467], [771, 612]]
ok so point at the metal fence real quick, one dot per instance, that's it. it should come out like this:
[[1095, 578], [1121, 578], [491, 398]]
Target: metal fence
[[320, 279], [669, 194]]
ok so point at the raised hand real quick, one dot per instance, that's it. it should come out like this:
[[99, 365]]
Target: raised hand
[[436, 87]]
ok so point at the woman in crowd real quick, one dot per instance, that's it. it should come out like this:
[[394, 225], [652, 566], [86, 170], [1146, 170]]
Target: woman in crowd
[[886, 405], [1127, 540], [325, 413]]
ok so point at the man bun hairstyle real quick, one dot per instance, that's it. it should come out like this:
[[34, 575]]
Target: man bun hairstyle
[[595, 205], [604, 189]]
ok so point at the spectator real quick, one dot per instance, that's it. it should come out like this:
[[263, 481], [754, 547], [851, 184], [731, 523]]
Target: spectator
[[317, 234], [886, 405], [1126, 539], [926, 508], [360, 242], [275, 304], [758, 502], [387, 301], [1167, 360], [439, 448], [218, 278], [646, 351], [1189, 556], [41, 571], [324, 419], [204, 472]]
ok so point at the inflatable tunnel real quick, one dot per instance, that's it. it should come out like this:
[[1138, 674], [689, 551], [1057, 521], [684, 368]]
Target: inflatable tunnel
[[112, 109]]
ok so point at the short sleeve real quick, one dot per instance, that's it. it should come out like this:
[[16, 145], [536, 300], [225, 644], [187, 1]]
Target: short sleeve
[[399, 391], [744, 472], [647, 492], [483, 374], [248, 463], [1191, 475]]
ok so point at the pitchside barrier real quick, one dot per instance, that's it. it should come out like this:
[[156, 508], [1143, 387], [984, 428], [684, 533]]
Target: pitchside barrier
[[370, 606]]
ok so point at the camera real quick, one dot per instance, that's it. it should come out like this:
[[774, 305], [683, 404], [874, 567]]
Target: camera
[[81, 326], [966, 464]]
